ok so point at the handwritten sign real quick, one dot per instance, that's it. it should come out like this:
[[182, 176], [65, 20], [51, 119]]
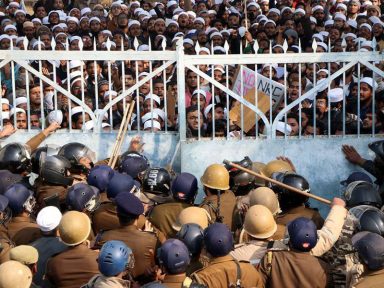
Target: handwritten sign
[[269, 87]]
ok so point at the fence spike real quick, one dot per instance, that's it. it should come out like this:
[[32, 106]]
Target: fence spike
[[344, 44], [374, 44], [226, 47], [256, 46], [108, 44], [149, 44], [197, 48], [81, 44], [285, 46], [53, 43], [136, 43], [314, 45], [25, 43], [164, 44]]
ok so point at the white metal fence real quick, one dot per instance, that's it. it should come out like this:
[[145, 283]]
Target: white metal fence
[[229, 80]]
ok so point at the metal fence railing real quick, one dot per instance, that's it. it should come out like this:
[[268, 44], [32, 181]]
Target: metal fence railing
[[277, 93]]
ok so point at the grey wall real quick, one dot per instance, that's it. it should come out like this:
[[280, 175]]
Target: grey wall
[[320, 161]]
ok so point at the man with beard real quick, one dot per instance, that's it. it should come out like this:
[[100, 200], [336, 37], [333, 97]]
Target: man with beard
[[194, 125]]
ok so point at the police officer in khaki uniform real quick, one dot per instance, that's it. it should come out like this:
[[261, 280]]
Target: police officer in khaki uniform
[[370, 247], [143, 244], [184, 190], [296, 267], [219, 201], [22, 229], [105, 217], [75, 266], [223, 270], [260, 226], [26, 255]]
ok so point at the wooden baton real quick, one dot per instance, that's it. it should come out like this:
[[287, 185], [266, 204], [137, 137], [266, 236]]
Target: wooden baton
[[285, 186]]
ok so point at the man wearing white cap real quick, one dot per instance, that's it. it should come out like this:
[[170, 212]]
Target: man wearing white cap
[[49, 244]]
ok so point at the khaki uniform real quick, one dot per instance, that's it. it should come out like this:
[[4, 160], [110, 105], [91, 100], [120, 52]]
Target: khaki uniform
[[227, 207], [293, 269], [5, 244], [222, 273], [73, 267], [105, 218], [163, 216], [143, 245], [252, 251], [300, 211], [280, 232], [22, 230], [371, 279], [44, 190], [174, 281]]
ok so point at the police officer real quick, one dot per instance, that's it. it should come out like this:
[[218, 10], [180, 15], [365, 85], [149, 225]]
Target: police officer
[[81, 159], [370, 247], [53, 181], [48, 220], [174, 259], [105, 217], [194, 215], [259, 228], [134, 164], [5, 215], [22, 229], [13, 271], [223, 270], [241, 182], [219, 201], [192, 236], [369, 218], [78, 264], [277, 166], [184, 190], [7, 179], [294, 205], [143, 244], [115, 262], [300, 269]]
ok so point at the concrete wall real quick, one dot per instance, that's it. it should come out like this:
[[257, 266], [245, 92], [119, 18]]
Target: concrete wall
[[320, 161]]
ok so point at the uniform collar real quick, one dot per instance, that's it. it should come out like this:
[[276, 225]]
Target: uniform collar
[[179, 278], [18, 219], [373, 272], [222, 259]]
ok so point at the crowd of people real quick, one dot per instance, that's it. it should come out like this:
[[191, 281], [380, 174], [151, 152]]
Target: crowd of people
[[70, 221], [350, 103]]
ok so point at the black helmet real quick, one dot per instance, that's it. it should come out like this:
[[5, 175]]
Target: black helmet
[[16, 158], [7, 179], [370, 219], [193, 237], [378, 148], [184, 187], [48, 150], [54, 170], [74, 151], [156, 184], [362, 193], [290, 199]]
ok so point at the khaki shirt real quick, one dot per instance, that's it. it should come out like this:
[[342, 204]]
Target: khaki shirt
[[105, 218], [174, 281], [371, 279], [222, 273], [227, 207], [300, 211], [252, 251], [293, 269], [163, 216], [73, 267], [143, 245], [23, 230]]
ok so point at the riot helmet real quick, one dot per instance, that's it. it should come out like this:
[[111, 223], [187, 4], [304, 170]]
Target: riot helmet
[[156, 184], [114, 258], [174, 256], [55, 170], [83, 197], [192, 236], [184, 187], [369, 218], [47, 150], [99, 177], [362, 193], [75, 152], [16, 158], [288, 199], [218, 240], [133, 164], [20, 199]]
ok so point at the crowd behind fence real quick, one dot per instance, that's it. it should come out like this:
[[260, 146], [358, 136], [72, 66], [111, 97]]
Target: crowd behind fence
[[260, 71]]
